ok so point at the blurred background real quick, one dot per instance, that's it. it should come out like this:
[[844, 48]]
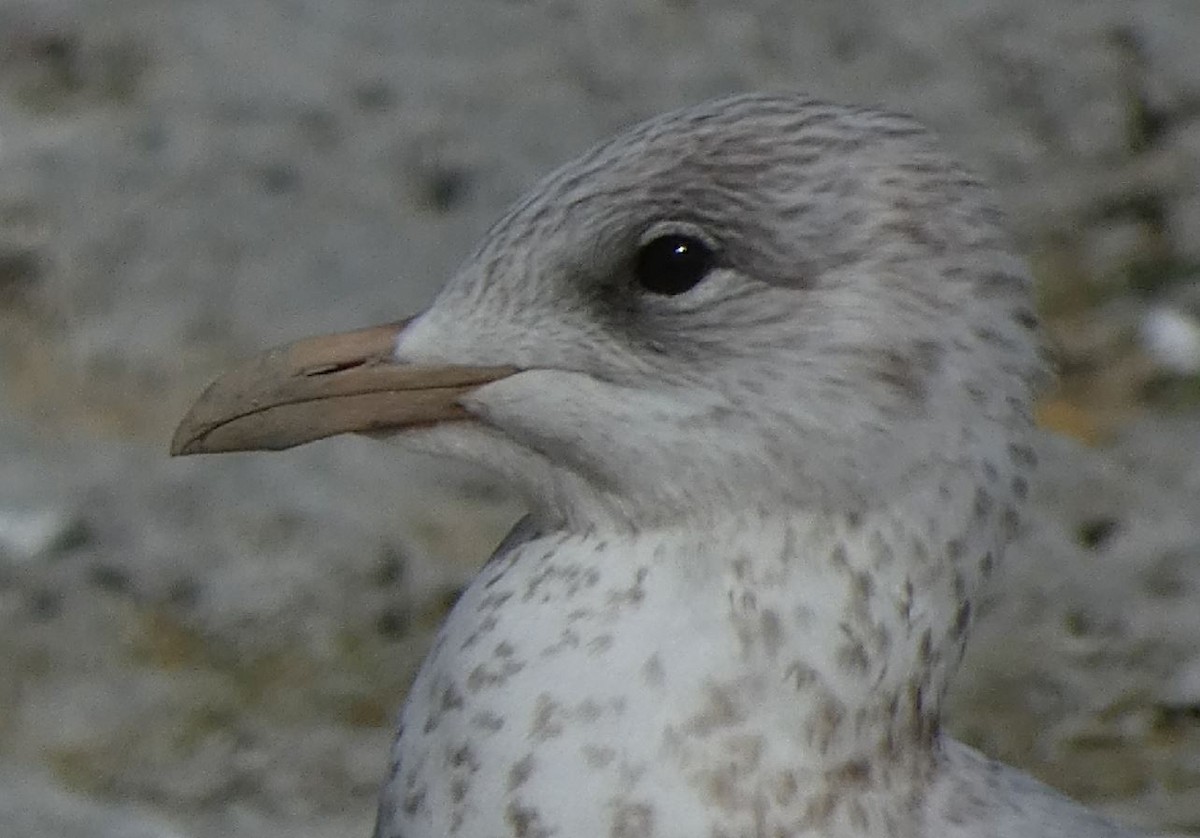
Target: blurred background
[[218, 647]]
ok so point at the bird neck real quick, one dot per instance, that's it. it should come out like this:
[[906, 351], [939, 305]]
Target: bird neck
[[774, 672], [831, 635]]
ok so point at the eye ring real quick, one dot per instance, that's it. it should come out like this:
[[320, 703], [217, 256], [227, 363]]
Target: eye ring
[[673, 263]]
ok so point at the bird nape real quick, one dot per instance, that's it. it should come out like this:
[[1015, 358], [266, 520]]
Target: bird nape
[[763, 370]]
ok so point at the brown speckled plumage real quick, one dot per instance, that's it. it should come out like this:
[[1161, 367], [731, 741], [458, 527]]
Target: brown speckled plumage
[[761, 508]]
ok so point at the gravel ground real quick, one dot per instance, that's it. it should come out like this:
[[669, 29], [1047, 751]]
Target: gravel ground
[[217, 647]]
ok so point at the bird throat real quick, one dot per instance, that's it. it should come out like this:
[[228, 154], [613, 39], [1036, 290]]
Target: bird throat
[[788, 662]]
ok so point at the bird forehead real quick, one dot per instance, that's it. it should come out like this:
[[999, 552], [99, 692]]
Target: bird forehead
[[746, 164], [795, 193], [747, 137]]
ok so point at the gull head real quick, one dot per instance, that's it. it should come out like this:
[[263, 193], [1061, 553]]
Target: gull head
[[760, 302]]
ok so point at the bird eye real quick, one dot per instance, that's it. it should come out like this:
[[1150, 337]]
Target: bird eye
[[672, 264]]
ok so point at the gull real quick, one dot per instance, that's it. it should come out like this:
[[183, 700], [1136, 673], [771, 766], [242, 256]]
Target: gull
[[762, 369]]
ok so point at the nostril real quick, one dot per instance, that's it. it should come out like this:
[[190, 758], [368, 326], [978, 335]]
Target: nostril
[[330, 368]]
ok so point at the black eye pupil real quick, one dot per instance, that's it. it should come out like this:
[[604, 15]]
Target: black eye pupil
[[670, 265]]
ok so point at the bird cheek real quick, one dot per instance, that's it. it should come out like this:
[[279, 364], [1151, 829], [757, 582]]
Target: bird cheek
[[530, 406]]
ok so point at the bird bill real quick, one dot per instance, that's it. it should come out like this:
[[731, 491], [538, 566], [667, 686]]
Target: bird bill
[[325, 386]]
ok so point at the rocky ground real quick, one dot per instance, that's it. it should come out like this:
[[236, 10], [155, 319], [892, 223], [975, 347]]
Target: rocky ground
[[217, 647]]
